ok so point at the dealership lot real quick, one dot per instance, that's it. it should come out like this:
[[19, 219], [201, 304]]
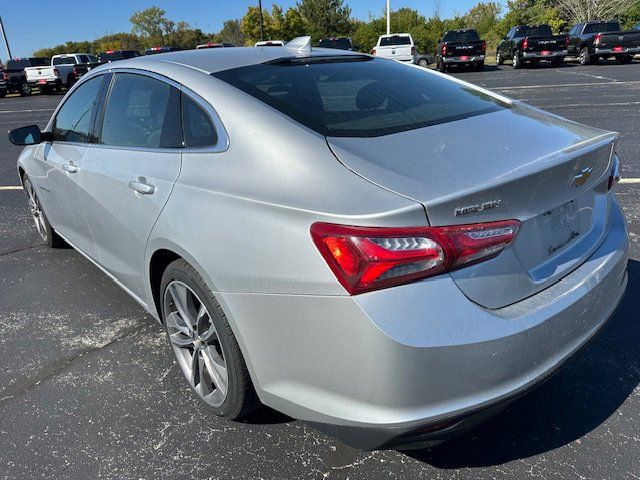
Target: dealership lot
[[89, 388]]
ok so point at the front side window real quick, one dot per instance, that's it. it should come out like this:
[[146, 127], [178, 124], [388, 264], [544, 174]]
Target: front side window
[[141, 112], [197, 127], [357, 96], [74, 119]]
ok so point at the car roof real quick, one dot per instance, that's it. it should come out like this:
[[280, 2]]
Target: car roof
[[212, 60]]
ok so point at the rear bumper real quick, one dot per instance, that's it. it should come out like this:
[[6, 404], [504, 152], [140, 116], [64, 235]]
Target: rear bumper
[[611, 51], [559, 53], [47, 82], [421, 362], [464, 59]]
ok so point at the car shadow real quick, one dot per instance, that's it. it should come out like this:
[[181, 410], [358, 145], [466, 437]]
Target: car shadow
[[580, 397]]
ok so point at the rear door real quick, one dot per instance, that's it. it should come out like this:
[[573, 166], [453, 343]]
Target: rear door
[[59, 163], [128, 174]]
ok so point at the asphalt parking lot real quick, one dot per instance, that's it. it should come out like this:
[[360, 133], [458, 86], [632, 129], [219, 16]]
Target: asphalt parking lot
[[88, 387]]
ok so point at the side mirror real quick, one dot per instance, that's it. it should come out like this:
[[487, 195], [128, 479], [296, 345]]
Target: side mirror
[[29, 135]]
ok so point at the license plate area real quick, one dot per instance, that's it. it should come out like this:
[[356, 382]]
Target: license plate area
[[464, 57], [42, 82], [560, 227], [545, 52]]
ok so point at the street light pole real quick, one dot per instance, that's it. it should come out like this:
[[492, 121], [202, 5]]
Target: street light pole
[[261, 25], [6, 42], [388, 18]]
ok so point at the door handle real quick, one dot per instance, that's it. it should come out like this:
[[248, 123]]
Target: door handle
[[70, 168], [141, 186]]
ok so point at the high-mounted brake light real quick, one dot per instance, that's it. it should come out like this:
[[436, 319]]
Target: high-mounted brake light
[[525, 43], [597, 39], [370, 258], [614, 176]]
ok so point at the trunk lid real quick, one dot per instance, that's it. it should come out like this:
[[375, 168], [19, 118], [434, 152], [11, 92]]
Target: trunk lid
[[518, 163]]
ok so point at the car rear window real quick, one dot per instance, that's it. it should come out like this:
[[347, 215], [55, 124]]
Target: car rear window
[[64, 61], [339, 43], [395, 40], [357, 96], [468, 36], [602, 27], [538, 31]]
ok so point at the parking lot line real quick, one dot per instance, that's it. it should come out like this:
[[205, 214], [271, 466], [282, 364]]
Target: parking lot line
[[11, 187], [28, 111], [559, 85], [630, 180]]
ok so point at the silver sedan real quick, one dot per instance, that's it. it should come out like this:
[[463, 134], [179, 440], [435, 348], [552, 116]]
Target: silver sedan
[[386, 252]]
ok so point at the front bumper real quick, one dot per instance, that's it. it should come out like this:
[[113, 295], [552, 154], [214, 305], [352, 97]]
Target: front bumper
[[611, 51], [463, 59], [550, 54], [373, 369]]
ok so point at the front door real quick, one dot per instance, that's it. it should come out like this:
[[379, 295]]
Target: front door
[[128, 175]]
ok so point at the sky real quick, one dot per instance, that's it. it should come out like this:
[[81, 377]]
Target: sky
[[42, 23]]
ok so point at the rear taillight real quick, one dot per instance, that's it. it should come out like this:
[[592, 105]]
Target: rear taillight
[[444, 49], [484, 47], [597, 39], [614, 176], [370, 258], [413, 50], [525, 43], [56, 72], [373, 51], [566, 42], [75, 73], [5, 75]]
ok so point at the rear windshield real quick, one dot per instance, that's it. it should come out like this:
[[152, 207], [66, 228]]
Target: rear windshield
[[395, 40], [339, 43], [358, 96], [539, 31], [118, 55], [64, 61], [27, 62], [602, 27], [468, 36]]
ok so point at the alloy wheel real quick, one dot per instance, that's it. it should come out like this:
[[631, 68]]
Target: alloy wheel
[[36, 210], [195, 342]]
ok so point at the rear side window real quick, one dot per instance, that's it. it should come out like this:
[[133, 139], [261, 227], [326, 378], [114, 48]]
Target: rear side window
[[468, 36], [357, 96], [141, 112], [197, 126], [74, 119], [395, 40]]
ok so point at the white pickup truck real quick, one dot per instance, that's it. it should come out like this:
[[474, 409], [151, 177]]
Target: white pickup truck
[[397, 46], [64, 71]]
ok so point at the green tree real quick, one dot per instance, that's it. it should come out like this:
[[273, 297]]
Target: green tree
[[483, 17], [325, 18], [250, 25], [232, 33], [151, 25], [293, 25]]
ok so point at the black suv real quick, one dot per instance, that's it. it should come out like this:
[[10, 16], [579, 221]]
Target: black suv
[[16, 78]]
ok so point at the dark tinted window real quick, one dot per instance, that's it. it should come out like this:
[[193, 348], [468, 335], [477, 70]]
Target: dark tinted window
[[359, 96], [602, 27], [468, 36], [64, 61], [196, 124], [117, 55], [17, 64], [636, 26], [141, 112], [339, 43], [395, 40], [40, 62], [73, 121], [539, 31]]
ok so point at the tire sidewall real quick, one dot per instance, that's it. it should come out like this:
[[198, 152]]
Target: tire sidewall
[[47, 226], [183, 272]]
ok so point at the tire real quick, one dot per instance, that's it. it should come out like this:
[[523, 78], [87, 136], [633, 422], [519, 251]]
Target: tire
[[499, 59], [209, 341], [556, 62], [24, 89], [70, 82], [442, 67], [516, 60], [478, 66], [43, 227], [585, 57], [423, 63], [626, 59], [3, 93]]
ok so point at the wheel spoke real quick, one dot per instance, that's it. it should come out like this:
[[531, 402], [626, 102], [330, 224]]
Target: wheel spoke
[[180, 339], [179, 297], [216, 367], [175, 321], [193, 373], [202, 319]]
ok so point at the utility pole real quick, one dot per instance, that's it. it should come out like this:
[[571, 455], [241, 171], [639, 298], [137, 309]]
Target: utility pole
[[261, 25], [388, 18], [6, 42]]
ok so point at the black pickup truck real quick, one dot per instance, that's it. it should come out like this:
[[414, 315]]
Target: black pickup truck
[[530, 44], [460, 47], [591, 41], [3, 82], [16, 76]]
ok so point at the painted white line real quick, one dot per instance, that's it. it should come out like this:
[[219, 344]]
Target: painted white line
[[567, 105], [28, 111], [630, 180], [566, 85], [11, 187]]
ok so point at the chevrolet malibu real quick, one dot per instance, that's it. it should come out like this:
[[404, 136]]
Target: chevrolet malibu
[[388, 253]]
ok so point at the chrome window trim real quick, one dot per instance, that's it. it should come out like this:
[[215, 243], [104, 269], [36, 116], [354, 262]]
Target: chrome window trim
[[223, 138]]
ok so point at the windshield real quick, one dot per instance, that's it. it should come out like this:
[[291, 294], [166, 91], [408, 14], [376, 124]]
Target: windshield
[[357, 96], [339, 43], [395, 40], [468, 36]]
